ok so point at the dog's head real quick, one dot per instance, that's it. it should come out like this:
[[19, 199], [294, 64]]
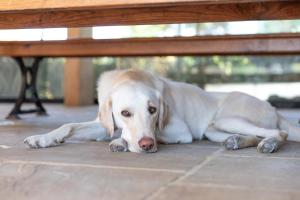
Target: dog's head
[[139, 111]]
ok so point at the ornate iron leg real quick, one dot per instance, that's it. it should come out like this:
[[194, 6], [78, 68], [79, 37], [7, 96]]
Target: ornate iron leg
[[29, 75]]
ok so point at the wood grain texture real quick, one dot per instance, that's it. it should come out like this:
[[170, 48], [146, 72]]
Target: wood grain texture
[[265, 44], [17, 5], [132, 13]]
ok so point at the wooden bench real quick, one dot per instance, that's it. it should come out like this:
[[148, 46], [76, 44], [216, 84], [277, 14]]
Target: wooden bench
[[82, 13]]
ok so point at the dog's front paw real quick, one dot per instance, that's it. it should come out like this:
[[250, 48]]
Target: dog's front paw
[[118, 145], [42, 141], [268, 145], [233, 142]]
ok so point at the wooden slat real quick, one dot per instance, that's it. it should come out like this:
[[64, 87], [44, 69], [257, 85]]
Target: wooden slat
[[268, 44], [54, 13], [17, 5]]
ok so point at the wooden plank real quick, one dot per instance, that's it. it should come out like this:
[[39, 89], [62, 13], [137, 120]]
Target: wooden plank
[[40, 14], [17, 5], [265, 44]]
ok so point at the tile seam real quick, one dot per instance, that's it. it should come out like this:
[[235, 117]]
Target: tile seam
[[178, 179], [60, 164]]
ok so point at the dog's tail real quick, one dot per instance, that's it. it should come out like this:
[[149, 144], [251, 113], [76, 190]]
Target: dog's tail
[[292, 129]]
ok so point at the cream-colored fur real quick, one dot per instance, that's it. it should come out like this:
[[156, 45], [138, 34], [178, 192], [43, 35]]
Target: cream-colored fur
[[183, 113]]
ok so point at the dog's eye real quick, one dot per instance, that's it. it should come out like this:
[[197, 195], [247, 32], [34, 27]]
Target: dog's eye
[[152, 110], [125, 113]]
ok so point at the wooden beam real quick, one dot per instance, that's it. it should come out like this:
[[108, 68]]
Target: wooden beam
[[265, 44], [17, 5], [54, 13]]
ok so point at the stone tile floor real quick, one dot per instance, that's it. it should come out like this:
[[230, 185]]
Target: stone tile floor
[[87, 170]]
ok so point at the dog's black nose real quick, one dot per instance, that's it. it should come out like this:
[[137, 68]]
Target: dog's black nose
[[146, 143]]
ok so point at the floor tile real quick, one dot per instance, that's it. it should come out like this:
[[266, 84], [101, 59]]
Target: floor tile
[[252, 172], [209, 192], [36, 182]]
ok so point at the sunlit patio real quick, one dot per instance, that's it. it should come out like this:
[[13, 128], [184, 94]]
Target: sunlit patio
[[88, 170]]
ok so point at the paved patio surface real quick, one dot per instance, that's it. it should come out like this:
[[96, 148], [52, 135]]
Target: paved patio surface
[[87, 170]]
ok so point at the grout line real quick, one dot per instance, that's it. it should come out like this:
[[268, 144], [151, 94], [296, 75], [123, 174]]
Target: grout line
[[178, 179], [230, 186], [268, 157], [197, 167], [58, 164]]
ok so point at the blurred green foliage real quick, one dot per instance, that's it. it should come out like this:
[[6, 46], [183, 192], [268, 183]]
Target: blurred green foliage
[[208, 69]]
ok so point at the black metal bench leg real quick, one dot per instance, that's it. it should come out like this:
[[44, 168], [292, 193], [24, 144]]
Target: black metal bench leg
[[40, 109], [29, 76]]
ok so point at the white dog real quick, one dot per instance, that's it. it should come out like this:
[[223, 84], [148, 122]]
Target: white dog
[[148, 109]]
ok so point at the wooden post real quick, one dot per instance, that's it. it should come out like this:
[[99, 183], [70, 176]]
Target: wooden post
[[78, 75]]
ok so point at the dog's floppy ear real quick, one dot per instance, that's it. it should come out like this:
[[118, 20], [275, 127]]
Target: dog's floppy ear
[[163, 115], [106, 116]]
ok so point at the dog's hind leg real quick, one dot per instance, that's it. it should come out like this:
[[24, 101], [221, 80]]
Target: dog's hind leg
[[215, 135], [237, 141], [91, 130], [231, 141], [274, 138]]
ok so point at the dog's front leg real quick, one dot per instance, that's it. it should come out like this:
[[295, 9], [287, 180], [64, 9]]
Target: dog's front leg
[[86, 130], [50, 139]]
